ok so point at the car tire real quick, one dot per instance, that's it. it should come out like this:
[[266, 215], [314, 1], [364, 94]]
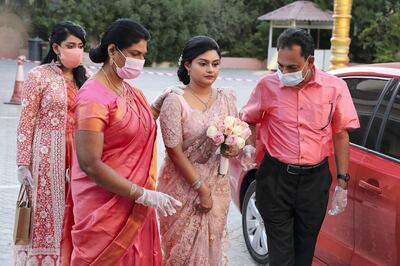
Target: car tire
[[253, 227]]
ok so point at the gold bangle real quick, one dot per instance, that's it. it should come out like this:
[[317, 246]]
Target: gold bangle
[[132, 191]]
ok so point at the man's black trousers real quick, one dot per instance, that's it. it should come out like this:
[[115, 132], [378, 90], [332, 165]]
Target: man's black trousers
[[293, 207]]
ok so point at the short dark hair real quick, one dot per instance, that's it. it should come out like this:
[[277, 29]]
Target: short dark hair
[[299, 37], [123, 33], [193, 48]]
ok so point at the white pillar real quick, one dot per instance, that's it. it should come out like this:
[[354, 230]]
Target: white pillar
[[271, 28]]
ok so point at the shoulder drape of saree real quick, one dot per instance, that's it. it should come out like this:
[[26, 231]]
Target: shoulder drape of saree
[[117, 248]]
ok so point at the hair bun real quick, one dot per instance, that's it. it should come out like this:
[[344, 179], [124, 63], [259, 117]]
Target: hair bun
[[96, 55], [183, 74]]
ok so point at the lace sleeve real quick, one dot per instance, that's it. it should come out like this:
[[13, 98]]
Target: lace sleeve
[[171, 121]]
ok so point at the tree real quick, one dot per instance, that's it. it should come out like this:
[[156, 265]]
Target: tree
[[255, 33], [233, 23], [387, 49], [375, 30]]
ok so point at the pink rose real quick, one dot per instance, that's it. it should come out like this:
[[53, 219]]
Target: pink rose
[[231, 140], [246, 133], [218, 138], [228, 131], [244, 124], [229, 121], [221, 126], [211, 131]]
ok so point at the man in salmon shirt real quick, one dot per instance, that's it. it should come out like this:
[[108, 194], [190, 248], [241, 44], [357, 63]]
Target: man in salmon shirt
[[304, 116]]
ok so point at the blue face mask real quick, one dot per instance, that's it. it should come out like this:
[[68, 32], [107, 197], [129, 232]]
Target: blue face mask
[[292, 79]]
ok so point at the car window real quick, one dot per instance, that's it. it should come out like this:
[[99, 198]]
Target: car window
[[391, 135], [378, 118], [365, 92]]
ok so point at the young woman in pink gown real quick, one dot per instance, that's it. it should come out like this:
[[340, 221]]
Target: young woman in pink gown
[[197, 234]]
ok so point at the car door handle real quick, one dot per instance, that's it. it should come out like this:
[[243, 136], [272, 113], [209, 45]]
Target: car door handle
[[367, 186]]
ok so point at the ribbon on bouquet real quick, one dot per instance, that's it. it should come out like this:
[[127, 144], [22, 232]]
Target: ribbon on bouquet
[[223, 164]]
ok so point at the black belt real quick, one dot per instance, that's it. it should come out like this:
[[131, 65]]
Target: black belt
[[299, 169]]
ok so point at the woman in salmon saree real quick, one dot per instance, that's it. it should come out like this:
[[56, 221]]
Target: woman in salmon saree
[[114, 175]]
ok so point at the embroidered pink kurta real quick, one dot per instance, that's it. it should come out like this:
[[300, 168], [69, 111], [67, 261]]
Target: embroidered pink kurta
[[190, 237], [297, 123], [42, 145]]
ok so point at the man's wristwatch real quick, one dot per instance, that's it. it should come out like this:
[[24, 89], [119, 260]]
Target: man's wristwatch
[[345, 177]]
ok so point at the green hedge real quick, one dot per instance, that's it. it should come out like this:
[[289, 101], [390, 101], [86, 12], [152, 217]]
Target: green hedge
[[233, 23]]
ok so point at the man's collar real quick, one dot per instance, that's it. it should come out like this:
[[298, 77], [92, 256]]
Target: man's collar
[[317, 76]]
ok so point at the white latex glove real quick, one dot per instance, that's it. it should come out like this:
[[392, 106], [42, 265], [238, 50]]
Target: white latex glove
[[158, 102], [160, 99], [339, 201], [164, 203], [248, 158], [24, 175]]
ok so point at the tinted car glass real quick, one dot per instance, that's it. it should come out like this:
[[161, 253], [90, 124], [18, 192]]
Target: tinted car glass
[[365, 93], [391, 135]]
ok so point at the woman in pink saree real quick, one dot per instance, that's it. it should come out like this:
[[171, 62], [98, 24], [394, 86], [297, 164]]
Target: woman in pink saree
[[196, 234], [114, 177]]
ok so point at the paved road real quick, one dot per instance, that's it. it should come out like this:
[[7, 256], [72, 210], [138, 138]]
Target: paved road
[[152, 83]]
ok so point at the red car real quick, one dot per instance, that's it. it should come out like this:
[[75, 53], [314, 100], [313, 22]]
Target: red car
[[368, 231]]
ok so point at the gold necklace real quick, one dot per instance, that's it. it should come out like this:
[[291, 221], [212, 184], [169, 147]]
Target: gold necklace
[[128, 101], [205, 103]]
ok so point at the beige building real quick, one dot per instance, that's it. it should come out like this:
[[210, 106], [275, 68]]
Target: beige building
[[306, 15]]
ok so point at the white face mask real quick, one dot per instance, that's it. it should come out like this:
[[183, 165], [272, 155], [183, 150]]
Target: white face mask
[[292, 79]]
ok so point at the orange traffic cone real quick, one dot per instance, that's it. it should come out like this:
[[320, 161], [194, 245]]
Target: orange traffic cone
[[19, 80]]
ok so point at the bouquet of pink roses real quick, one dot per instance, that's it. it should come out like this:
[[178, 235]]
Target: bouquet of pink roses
[[232, 131]]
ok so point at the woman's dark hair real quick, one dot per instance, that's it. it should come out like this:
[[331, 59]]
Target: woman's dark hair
[[193, 48], [60, 33], [123, 33], [299, 37]]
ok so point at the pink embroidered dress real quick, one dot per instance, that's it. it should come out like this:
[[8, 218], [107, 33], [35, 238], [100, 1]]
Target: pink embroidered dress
[[190, 237], [45, 143]]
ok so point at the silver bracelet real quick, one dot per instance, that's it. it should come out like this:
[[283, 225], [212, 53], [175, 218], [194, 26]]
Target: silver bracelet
[[197, 184]]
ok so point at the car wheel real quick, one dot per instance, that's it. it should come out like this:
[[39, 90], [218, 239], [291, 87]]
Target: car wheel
[[253, 227]]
